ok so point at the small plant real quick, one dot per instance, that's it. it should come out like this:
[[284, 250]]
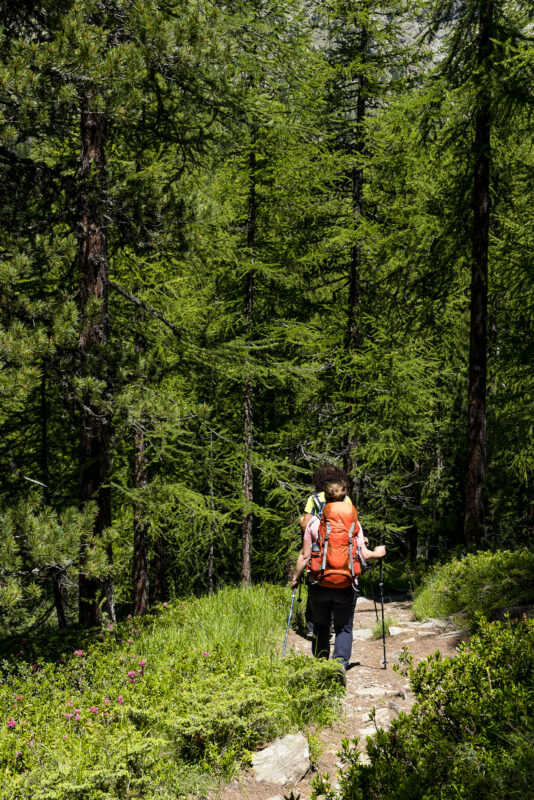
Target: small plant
[[315, 746], [377, 630]]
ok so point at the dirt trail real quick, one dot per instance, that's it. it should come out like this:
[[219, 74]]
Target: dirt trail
[[368, 685]]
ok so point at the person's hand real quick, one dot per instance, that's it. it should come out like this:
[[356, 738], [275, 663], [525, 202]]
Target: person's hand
[[294, 581], [380, 551]]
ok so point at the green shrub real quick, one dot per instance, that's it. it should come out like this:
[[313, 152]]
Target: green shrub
[[156, 704], [478, 583], [470, 734]]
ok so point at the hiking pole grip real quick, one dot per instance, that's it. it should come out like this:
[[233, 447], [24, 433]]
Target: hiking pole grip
[[289, 620]]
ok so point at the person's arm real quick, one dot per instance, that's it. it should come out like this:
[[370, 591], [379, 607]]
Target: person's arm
[[369, 555], [303, 521], [302, 560]]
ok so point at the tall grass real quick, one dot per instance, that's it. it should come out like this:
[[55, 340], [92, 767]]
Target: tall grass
[[478, 583], [158, 706]]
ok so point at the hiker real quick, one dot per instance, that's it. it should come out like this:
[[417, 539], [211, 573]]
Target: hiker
[[314, 506], [334, 590]]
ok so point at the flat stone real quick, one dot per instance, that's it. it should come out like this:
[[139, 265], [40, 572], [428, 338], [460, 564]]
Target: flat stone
[[453, 633], [426, 633], [364, 604], [395, 631], [286, 761], [429, 624], [411, 639], [362, 635], [377, 691]]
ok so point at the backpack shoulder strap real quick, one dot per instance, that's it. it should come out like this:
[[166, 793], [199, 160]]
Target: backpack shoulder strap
[[318, 504]]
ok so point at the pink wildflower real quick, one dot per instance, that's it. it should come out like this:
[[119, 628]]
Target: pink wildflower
[[110, 627], [142, 663], [64, 735], [34, 666], [107, 700], [129, 616], [165, 605], [78, 652], [76, 717], [139, 671], [31, 743], [205, 653], [131, 674], [93, 710], [120, 699], [70, 703], [11, 723], [20, 697], [67, 715]]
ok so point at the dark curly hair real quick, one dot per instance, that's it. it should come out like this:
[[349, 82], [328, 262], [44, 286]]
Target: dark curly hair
[[329, 474]]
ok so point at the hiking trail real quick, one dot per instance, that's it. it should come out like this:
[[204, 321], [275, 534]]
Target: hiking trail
[[368, 685]]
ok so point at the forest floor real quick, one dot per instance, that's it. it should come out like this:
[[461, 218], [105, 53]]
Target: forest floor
[[368, 685]]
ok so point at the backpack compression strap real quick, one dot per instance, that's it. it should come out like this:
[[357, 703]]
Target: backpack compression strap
[[327, 537]]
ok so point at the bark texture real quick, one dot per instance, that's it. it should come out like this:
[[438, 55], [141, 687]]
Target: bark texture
[[353, 335], [474, 523], [94, 450], [248, 424]]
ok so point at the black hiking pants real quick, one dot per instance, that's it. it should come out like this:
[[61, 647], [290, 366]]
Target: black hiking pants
[[339, 603]]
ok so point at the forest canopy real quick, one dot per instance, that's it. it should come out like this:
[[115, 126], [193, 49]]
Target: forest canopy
[[243, 240]]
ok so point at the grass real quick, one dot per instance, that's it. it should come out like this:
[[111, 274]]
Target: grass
[[377, 630], [480, 583], [159, 706]]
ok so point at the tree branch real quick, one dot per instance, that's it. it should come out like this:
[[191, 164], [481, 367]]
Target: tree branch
[[149, 310]]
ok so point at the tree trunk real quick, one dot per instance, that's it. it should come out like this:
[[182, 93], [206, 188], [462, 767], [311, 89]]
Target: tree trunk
[[353, 335], [140, 548], [59, 588], [94, 450], [248, 432], [160, 583], [474, 525]]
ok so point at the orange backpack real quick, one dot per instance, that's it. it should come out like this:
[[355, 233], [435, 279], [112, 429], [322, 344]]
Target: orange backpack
[[335, 558]]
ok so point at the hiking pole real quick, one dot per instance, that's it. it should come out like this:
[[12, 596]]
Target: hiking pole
[[373, 590], [385, 663], [289, 620]]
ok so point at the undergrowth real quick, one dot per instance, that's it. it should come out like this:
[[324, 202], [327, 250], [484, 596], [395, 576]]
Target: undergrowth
[[157, 706], [470, 734], [478, 583]]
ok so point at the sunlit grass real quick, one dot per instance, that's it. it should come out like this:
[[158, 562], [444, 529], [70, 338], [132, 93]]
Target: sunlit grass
[[158, 703]]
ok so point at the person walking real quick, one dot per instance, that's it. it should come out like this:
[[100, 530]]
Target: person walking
[[333, 590]]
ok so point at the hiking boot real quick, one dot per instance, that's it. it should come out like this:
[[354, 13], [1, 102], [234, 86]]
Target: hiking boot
[[341, 675]]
